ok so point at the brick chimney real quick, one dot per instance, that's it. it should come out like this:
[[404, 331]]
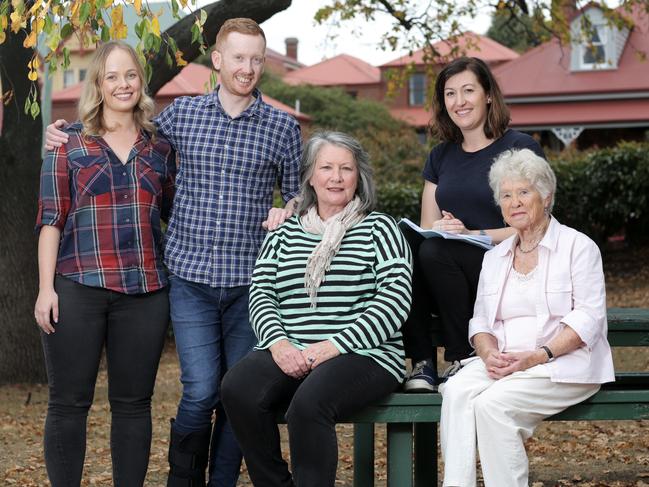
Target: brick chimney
[[291, 47]]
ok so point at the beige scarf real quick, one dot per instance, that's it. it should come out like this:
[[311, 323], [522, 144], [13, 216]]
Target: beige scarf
[[332, 231]]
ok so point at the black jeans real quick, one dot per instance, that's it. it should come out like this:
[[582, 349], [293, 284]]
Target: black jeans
[[445, 283], [133, 328], [255, 389]]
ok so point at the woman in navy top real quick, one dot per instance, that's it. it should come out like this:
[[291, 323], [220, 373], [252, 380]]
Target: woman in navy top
[[471, 119], [102, 283]]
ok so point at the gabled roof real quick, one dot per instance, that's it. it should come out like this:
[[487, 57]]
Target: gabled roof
[[272, 54], [545, 70], [339, 70], [476, 45], [191, 81]]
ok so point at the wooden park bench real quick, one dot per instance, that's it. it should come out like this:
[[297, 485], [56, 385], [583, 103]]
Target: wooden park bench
[[412, 418]]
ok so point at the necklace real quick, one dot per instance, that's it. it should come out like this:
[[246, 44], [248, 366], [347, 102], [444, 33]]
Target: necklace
[[538, 241], [529, 250]]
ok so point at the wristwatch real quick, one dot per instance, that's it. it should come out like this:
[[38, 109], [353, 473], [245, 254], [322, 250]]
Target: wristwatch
[[549, 352]]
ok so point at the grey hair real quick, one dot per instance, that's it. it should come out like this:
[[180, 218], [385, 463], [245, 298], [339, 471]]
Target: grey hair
[[365, 189], [523, 165]]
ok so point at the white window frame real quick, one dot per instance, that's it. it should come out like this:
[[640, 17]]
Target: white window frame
[[603, 33]]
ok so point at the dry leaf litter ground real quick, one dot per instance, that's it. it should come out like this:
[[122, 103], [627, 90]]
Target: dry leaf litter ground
[[587, 454]]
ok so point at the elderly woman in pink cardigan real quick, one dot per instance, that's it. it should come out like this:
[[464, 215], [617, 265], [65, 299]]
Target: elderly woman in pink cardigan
[[538, 329]]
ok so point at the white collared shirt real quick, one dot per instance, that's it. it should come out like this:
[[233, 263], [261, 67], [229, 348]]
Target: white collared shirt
[[571, 294]]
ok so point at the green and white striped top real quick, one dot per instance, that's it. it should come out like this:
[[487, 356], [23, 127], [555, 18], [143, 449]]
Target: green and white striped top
[[362, 303]]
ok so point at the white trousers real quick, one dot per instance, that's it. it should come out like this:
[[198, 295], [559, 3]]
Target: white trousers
[[501, 414]]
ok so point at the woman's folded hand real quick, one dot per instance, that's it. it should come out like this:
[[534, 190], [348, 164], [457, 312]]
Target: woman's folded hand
[[517, 361], [290, 359], [319, 352]]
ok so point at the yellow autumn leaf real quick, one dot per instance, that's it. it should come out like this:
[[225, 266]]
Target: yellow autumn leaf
[[118, 30], [17, 22], [36, 63], [183, 3], [138, 6], [35, 7], [155, 26], [179, 59], [3, 22], [30, 40], [33, 75], [3, 36], [38, 26], [117, 15]]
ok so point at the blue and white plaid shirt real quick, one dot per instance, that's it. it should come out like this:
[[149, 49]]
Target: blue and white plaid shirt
[[224, 187]]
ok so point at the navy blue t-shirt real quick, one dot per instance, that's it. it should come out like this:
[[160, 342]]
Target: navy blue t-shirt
[[462, 178]]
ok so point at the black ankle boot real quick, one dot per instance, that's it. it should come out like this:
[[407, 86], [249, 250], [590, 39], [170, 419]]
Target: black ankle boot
[[188, 455]]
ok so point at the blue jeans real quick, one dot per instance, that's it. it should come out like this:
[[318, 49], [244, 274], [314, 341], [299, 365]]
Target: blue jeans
[[212, 331]]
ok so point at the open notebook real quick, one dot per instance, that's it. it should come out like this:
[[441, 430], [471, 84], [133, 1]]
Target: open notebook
[[483, 241]]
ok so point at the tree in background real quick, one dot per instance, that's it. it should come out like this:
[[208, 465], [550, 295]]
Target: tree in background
[[20, 142], [517, 30], [397, 154]]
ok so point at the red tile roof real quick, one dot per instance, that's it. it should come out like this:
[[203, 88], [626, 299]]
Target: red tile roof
[[415, 116], [545, 70], [339, 70], [192, 80], [478, 46], [604, 113], [271, 53]]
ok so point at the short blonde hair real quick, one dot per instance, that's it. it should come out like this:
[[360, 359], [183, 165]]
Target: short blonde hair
[[523, 165], [242, 25], [92, 101]]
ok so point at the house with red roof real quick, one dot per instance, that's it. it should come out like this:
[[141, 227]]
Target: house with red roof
[[194, 79], [592, 92], [355, 76], [281, 64]]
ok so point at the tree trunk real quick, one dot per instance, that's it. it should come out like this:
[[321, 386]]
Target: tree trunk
[[21, 356]]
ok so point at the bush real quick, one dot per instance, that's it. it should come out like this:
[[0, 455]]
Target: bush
[[400, 200], [604, 192]]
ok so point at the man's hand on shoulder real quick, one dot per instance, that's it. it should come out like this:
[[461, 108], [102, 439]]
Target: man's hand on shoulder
[[277, 216], [54, 136]]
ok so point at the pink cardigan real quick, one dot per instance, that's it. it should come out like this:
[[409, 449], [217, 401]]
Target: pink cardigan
[[572, 294]]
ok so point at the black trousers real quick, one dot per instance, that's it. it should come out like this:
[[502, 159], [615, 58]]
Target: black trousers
[[445, 282], [255, 389], [132, 328]]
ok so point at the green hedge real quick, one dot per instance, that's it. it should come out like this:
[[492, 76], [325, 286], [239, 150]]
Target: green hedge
[[601, 193], [400, 200], [604, 192]]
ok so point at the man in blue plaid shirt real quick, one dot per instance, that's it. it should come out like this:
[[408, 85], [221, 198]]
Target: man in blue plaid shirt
[[233, 148]]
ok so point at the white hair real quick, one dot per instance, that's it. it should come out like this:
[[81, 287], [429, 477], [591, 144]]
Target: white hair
[[523, 165]]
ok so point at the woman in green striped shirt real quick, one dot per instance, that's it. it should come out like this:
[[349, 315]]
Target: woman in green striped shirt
[[330, 291]]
